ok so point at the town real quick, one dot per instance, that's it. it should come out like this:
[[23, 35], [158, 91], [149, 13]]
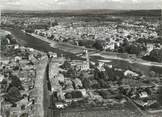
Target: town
[[80, 66]]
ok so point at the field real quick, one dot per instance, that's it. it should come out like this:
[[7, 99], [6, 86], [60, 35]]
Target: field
[[126, 111]]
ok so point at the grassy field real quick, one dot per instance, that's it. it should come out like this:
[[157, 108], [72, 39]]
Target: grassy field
[[126, 110]]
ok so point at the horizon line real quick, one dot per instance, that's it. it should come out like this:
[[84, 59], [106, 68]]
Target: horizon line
[[76, 9]]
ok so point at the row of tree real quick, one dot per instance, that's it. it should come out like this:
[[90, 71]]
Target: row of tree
[[155, 55]]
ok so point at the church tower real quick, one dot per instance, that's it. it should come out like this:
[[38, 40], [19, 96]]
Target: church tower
[[87, 58]]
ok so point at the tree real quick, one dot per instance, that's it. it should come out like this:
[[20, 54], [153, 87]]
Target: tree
[[134, 49], [51, 37], [83, 75], [68, 96], [66, 65], [110, 73], [159, 97], [86, 43], [103, 84], [29, 30], [105, 94], [74, 104], [55, 23], [15, 82], [152, 73], [99, 44], [71, 73], [86, 83], [97, 74], [4, 42], [125, 43], [13, 95], [156, 55], [76, 94], [11, 39]]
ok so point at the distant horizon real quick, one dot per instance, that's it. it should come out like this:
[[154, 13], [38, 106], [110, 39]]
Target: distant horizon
[[55, 5], [2, 10]]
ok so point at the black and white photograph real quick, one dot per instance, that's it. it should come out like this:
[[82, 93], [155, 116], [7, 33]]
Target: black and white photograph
[[80, 58]]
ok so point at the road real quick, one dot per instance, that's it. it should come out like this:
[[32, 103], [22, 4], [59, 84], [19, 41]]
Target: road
[[40, 95]]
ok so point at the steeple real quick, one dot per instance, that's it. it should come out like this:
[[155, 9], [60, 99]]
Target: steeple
[[87, 57]]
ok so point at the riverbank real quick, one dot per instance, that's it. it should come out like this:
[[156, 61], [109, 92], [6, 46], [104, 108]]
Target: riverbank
[[65, 47], [131, 61], [52, 43]]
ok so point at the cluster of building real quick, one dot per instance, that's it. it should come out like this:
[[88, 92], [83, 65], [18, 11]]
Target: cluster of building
[[74, 85], [113, 33], [17, 81]]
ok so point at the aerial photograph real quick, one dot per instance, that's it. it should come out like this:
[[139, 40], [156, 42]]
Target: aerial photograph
[[80, 58]]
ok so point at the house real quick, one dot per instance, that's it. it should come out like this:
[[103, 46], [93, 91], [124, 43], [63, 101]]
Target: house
[[18, 58], [59, 105], [60, 77], [143, 95], [16, 47], [80, 65], [109, 46], [69, 84], [1, 77], [31, 49], [130, 73], [150, 47], [84, 92], [54, 55], [78, 83], [84, 66], [100, 66]]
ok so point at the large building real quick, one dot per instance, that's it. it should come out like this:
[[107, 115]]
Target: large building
[[82, 65]]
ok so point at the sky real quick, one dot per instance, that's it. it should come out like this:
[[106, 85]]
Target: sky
[[79, 4]]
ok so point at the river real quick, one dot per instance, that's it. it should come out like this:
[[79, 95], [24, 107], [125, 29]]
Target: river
[[38, 44], [32, 42]]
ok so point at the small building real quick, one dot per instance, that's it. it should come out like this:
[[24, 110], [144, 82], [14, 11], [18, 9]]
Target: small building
[[16, 46], [18, 58], [78, 83], [53, 55], [84, 92], [80, 65], [150, 47], [130, 73], [59, 105], [143, 95]]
